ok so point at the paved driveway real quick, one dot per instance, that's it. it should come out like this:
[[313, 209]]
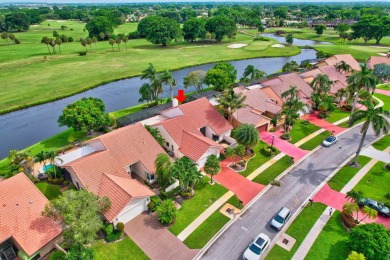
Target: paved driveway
[[296, 188], [382, 91], [156, 240], [313, 118]]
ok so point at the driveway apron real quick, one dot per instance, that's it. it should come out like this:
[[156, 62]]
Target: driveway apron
[[313, 118]]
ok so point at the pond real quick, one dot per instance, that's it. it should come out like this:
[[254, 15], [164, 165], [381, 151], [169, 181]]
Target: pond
[[25, 127], [297, 42]]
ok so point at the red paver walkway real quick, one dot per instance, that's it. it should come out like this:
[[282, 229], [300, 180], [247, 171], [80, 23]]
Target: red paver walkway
[[245, 189], [313, 118], [337, 199], [283, 145], [156, 240], [382, 91]]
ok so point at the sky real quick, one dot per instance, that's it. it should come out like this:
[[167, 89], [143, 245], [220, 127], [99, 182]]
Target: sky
[[167, 1]]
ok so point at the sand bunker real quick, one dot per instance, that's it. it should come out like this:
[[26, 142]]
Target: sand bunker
[[237, 45], [278, 45], [382, 54]]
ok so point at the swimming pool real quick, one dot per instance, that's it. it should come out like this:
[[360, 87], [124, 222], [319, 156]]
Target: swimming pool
[[47, 167]]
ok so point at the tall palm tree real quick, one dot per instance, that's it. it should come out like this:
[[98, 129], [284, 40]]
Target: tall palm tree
[[326, 104], [350, 208], [51, 155], [370, 213], [343, 67], [155, 80], [163, 166], [340, 94], [321, 84], [150, 73], [247, 135], [363, 79], [21, 159], [291, 107], [166, 78], [254, 73], [230, 102], [377, 118], [354, 197]]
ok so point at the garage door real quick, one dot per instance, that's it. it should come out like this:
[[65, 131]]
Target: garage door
[[132, 212], [263, 128]]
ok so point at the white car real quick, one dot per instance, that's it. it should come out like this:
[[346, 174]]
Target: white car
[[329, 141], [281, 218], [257, 247]]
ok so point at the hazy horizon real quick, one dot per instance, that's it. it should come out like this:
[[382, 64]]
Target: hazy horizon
[[171, 1]]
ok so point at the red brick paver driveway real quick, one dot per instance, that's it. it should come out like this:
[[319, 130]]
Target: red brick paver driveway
[[283, 145], [313, 118], [245, 189], [156, 240], [382, 91]]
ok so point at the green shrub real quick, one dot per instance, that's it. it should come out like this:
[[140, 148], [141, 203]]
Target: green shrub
[[322, 115], [285, 136], [120, 226], [261, 38], [348, 220], [272, 130], [108, 229], [114, 236], [156, 200], [151, 206], [82, 53], [57, 255], [305, 122], [321, 54], [240, 150], [169, 195], [166, 212], [185, 194]]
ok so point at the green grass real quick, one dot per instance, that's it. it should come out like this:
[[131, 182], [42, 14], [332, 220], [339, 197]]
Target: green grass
[[345, 174], [205, 195], [298, 230], [256, 161], [359, 52], [382, 143], [234, 201], [127, 111], [68, 73], [383, 86], [315, 141], [202, 234], [125, 249], [49, 190], [273, 171], [385, 99], [299, 131], [337, 115], [331, 242], [376, 183]]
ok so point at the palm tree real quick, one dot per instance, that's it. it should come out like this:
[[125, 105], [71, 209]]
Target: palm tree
[[111, 42], [150, 73], [326, 104], [375, 117], [21, 159], [350, 208], [340, 94], [291, 107], [253, 72], [354, 197], [163, 166], [186, 172], [40, 158], [118, 41], [247, 135], [166, 78], [51, 155], [343, 67], [370, 213], [292, 93], [212, 166], [307, 65], [58, 42], [321, 84], [363, 79], [156, 135], [230, 102]]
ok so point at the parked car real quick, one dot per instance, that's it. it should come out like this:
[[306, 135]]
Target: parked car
[[257, 247], [331, 140], [280, 218], [382, 209]]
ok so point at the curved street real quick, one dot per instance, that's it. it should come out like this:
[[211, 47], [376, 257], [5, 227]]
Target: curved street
[[296, 187]]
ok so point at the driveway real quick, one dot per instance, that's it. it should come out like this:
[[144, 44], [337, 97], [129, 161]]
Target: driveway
[[283, 145], [296, 188], [313, 118], [382, 91], [156, 240]]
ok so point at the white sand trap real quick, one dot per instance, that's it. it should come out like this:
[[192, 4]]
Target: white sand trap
[[237, 45], [382, 54], [199, 46], [278, 45]]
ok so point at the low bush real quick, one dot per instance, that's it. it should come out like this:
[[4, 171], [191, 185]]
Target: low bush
[[107, 229], [387, 195], [82, 53], [285, 136], [348, 220], [322, 115], [305, 122], [272, 130], [321, 54], [114, 236], [57, 255], [261, 38], [275, 183], [185, 194], [169, 195], [120, 226], [151, 206]]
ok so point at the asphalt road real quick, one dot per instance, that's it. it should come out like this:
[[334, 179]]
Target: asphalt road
[[295, 189]]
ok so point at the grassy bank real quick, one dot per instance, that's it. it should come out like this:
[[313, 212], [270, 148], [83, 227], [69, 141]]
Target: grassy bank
[[53, 76], [125, 249], [273, 171]]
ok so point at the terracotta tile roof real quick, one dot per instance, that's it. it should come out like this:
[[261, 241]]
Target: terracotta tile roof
[[194, 145], [120, 191], [123, 147], [248, 115], [343, 57], [339, 79], [21, 204], [283, 83], [192, 117], [374, 60], [258, 100]]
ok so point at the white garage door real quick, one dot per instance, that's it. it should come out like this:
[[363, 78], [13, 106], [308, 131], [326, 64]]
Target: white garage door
[[132, 212]]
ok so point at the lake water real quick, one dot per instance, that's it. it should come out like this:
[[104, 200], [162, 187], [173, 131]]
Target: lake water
[[25, 127], [297, 42]]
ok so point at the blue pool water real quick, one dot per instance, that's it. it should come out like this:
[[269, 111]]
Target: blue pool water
[[47, 167]]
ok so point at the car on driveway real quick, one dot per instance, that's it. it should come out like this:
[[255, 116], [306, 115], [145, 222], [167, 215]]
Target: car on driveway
[[280, 218], [331, 140], [382, 209], [257, 247]]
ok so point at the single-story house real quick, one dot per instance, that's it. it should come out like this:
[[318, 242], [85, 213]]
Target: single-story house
[[194, 129], [114, 165], [24, 232], [374, 60], [259, 109], [336, 59]]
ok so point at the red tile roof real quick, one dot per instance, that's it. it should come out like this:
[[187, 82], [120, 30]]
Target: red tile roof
[[258, 100], [283, 83], [248, 115], [185, 128], [123, 147], [339, 79], [374, 60], [343, 57], [21, 204]]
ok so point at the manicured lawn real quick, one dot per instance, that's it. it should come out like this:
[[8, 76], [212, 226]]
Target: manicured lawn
[[258, 160], [299, 131], [383, 86], [125, 249], [385, 99], [376, 183], [345, 174], [273, 171], [337, 115], [316, 141], [382, 143], [199, 238], [331, 243], [298, 230], [359, 52], [235, 202], [49, 190], [31, 62], [205, 195]]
